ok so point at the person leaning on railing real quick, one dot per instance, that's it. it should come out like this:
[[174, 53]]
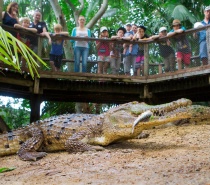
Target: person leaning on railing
[[10, 16], [166, 51], [183, 50], [103, 51], [25, 22], [202, 37], [116, 50], [56, 52], [41, 28]]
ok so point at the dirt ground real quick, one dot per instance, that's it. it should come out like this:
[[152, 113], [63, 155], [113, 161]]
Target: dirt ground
[[174, 155]]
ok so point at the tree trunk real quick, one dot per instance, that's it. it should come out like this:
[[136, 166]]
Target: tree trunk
[[3, 126], [61, 20]]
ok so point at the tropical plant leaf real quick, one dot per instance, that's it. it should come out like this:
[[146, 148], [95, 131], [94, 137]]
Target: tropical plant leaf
[[11, 47], [5, 169], [182, 13]]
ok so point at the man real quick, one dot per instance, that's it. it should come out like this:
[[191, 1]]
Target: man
[[41, 28], [202, 37]]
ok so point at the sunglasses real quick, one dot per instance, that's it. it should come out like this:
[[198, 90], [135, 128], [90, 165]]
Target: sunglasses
[[176, 25]]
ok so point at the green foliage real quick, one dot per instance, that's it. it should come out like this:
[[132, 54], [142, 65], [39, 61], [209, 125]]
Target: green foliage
[[55, 108], [16, 117], [5, 169]]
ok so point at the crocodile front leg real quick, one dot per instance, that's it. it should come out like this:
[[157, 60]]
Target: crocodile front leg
[[28, 150], [77, 143]]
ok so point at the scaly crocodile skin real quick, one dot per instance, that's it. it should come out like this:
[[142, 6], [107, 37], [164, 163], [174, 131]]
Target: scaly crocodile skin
[[82, 132]]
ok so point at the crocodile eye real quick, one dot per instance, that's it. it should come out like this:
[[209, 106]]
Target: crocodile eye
[[6, 146]]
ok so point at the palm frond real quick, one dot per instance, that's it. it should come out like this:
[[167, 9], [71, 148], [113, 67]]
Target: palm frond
[[11, 47]]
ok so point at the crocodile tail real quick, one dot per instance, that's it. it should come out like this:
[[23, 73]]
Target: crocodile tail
[[10, 142]]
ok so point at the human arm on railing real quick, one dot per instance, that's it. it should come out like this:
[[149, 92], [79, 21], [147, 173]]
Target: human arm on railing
[[47, 34], [18, 26]]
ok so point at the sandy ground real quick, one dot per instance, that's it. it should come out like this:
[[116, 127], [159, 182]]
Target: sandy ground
[[174, 155]]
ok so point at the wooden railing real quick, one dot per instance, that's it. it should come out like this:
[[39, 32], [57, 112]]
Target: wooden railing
[[147, 63]]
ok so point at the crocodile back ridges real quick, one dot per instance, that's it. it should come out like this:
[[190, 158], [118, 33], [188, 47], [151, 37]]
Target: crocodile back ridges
[[160, 110], [58, 129]]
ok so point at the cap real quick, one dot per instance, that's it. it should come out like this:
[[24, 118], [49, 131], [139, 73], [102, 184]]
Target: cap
[[176, 22], [128, 24], [142, 27], [162, 29], [123, 29], [207, 8], [103, 28]]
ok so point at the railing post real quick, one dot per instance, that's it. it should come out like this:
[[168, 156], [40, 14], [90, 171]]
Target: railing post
[[208, 43], [146, 59], [39, 52]]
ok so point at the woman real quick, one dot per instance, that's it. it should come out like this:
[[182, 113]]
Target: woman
[[81, 48], [10, 17]]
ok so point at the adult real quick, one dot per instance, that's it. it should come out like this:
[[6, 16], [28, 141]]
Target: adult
[[10, 16], [41, 28], [81, 48], [202, 37]]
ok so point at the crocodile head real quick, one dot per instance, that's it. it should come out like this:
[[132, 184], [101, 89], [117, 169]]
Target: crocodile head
[[128, 120]]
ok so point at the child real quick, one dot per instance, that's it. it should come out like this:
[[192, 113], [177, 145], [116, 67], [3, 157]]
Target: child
[[103, 51], [116, 49], [139, 64], [56, 53], [166, 51], [183, 52], [25, 22], [128, 36]]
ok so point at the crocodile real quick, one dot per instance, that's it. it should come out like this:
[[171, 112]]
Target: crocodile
[[84, 132]]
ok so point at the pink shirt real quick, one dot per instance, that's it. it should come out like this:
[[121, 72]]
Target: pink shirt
[[104, 49]]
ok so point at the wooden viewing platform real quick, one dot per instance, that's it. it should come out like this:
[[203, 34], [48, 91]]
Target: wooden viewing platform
[[192, 83]]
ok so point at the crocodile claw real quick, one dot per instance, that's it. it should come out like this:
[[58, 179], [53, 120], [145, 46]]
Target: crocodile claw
[[142, 118], [32, 156]]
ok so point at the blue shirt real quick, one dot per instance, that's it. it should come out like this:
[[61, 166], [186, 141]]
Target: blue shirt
[[182, 28], [57, 47], [202, 33], [134, 51]]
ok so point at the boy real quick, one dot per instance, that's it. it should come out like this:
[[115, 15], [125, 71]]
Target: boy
[[166, 51], [115, 51], [183, 52], [56, 53], [25, 22]]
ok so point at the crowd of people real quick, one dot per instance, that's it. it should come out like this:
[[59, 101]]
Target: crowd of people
[[110, 53]]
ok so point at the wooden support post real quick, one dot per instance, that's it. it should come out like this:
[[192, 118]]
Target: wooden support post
[[147, 94], [208, 43], [160, 70], [146, 59], [36, 85], [35, 102]]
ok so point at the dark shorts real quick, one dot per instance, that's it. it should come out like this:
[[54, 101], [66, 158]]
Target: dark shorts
[[57, 59]]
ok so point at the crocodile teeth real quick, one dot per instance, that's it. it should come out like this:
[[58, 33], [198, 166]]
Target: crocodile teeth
[[141, 118]]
